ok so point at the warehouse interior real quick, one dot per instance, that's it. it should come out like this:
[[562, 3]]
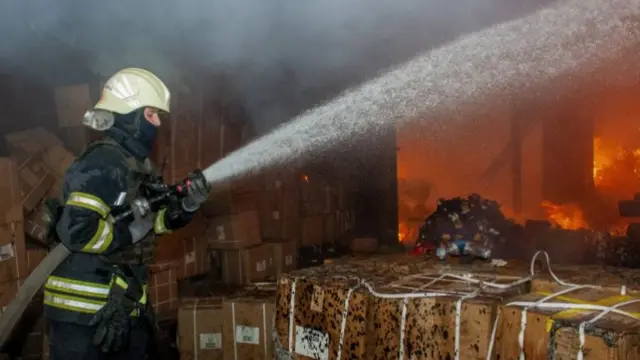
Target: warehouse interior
[[324, 249]]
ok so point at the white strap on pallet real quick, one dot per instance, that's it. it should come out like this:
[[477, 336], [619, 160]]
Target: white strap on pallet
[[403, 321], [292, 309], [195, 330], [456, 348], [343, 323], [264, 330], [480, 287], [233, 324], [418, 293]]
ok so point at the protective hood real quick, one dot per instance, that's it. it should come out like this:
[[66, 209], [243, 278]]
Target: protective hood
[[134, 133]]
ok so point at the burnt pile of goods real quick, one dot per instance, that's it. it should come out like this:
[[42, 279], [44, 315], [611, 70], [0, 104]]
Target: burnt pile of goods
[[474, 220]]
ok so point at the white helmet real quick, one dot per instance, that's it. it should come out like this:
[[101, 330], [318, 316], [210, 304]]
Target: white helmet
[[128, 90]]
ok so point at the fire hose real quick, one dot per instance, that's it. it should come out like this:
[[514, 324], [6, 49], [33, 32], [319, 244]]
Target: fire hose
[[36, 280]]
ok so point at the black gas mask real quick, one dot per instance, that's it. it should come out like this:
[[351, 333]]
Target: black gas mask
[[134, 133]]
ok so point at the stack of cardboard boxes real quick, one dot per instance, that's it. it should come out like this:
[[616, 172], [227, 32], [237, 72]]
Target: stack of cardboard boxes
[[327, 211], [33, 172], [227, 328], [233, 234]]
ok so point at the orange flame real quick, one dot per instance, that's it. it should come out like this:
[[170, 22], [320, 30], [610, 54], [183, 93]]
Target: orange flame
[[402, 232], [566, 216]]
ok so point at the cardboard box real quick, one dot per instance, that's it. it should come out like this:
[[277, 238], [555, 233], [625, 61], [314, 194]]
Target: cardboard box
[[10, 207], [8, 291], [246, 266], [34, 257], [312, 231], [247, 326], [32, 142], [180, 140], [281, 179], [312, 208], [187, 246], [77, 138], [58, 159], [311, 189], [163, 287], [235, 231], [330, 231], [554, 333], [364, 245], [71, 103], [330, 200], [200, 327], [13, 258], [35, 182], [291, 219], [226, 202], [284, 254], [196, 259], [271, 215]]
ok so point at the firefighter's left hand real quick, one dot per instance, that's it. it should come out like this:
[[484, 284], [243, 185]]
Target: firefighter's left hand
[[198, 193], [113, 321]]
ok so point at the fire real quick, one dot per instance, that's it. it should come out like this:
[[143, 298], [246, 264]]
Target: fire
[[566, 216], [402, 232], [616, 176], [600, 161], [616, 168]]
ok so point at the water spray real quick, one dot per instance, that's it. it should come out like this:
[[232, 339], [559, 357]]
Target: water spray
[[570, 38]]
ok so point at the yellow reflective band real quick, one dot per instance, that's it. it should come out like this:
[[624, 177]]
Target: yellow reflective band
[[102, 238], [143, 299], [159, 226], [72, 303], [89, 202], [120, 282], [77, 287], [117, 280]]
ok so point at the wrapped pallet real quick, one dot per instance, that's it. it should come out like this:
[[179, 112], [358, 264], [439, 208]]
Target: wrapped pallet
[[433, 316], [377, 309], [615, 279], [570, 323], [310, 305], [309, 317]]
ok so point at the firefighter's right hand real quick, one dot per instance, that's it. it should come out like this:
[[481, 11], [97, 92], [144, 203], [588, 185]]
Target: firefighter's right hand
[[113, 321]]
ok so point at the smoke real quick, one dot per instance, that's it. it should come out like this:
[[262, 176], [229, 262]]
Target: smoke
[[281, 56]]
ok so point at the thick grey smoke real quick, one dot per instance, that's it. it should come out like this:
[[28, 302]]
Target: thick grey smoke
[[280, 55]]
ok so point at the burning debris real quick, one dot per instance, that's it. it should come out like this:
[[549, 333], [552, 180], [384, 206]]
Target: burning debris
[[471, 227], [616, 175], [474, 227]]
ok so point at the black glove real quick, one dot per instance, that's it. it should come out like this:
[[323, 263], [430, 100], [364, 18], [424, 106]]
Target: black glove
[[113, 320], [198, 193]]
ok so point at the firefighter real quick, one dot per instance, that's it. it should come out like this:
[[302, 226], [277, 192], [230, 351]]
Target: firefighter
[[96, 301]]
